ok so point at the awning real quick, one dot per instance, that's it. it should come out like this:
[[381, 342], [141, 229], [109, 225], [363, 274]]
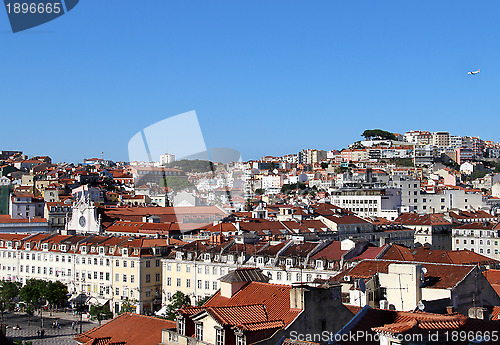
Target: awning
[[94, 300]]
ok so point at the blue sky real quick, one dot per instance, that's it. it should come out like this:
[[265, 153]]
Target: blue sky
[[265, 77]]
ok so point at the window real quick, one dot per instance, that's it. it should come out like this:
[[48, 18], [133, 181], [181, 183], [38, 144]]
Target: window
[[199, 331], [148, 278], [180, 326], [199, 284], [278, 275], [124, 263], [288, 276], [132, 264], [207, 285], [157, 263], [117, 277], [117, 292], [214, 285], [169, 281], [178, 282], [207, 270], [148, 263], [219, 337], [178, 267], [188, 283], [157, 277], [107, 275], [101, 275], [188, 268], [124, 278], [132, 278], [117, 263], [169, 267], [240, 340]]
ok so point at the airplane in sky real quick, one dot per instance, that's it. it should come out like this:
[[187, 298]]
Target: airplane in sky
[[474, 72]]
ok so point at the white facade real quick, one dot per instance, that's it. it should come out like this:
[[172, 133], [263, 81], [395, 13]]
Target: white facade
[[167, 158]]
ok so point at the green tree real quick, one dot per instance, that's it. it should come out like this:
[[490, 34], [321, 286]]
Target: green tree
[[177, 301], [55, 293], [30, 312], [8, 292], [192, 165], [177, 183], [100, 312], [128, 306], [203, 301], [378, 133], [32, 292], [260, 191]]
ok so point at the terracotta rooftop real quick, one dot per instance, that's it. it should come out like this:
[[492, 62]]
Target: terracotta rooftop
[[389, 322], [274, 297], [439, 276], [130, 329]]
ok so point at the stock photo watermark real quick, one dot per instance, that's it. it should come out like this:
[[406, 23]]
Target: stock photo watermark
[[27, 14]]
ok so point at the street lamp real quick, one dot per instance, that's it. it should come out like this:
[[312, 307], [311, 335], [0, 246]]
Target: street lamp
[[79, 302], [40, 300]]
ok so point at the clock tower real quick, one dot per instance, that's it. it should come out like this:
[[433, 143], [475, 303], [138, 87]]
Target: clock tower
[[84, 217]]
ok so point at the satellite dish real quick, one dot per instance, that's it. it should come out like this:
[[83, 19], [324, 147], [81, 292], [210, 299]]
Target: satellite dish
[[420, 306], [362, 285]]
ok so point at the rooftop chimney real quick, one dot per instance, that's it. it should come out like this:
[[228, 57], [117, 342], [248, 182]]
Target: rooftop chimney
[[232, 282]]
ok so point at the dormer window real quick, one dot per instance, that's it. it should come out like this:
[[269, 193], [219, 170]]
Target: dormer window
[[9, 244], [289, 262], [260, 260], [28, 245], [45, 246], [62, 247], [84, 250], [240, 339], [101, 250], [178, 256], [207, 256]]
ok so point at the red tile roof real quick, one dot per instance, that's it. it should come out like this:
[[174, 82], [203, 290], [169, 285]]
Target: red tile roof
[[130, 329], [425, 254], [440, 276], [331, 252], [370, 321], [422, 219], [274, 297]]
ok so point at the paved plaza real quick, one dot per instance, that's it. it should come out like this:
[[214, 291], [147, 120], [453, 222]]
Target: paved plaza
[[63, 335]]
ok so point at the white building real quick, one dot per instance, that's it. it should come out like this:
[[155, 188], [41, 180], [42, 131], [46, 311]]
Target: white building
[[167, 158], [482, 238]]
